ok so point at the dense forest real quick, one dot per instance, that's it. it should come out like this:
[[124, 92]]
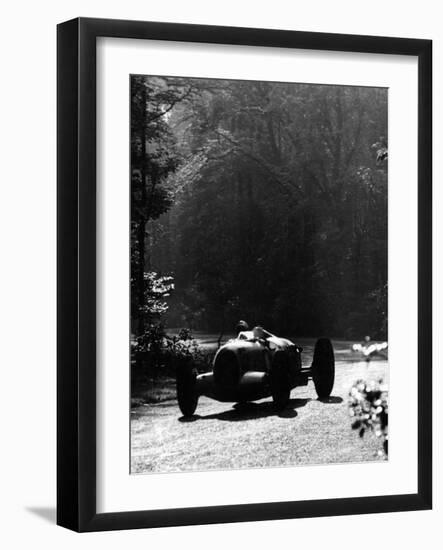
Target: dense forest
[[258, 200]]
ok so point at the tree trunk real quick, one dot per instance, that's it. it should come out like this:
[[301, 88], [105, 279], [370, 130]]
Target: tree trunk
[[141, 276], [142, 227]]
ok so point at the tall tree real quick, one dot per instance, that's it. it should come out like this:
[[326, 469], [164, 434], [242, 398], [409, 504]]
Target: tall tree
[[280, 207], [153, 157]]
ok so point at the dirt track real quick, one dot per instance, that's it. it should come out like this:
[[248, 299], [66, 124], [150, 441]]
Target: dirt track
[[224, 436]]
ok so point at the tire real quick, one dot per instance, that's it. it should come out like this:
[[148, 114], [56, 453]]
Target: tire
[[187, 395], [279, 380], [323, 368]]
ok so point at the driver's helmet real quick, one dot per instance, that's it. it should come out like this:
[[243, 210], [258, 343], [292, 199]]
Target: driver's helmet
[[242, 326]]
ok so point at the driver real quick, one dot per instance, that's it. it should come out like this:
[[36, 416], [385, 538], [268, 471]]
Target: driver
[[262, 336], [243, 331]]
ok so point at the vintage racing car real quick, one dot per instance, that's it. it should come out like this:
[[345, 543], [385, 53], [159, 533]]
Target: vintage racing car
[[251, 369]]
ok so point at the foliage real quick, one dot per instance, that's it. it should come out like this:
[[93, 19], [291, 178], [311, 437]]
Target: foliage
[[157, 288], [183, 348], [153, 158], [266, 201], [368, 406], [162, 353]]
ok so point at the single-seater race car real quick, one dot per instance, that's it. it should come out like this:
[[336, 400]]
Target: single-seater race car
[[249, 368]]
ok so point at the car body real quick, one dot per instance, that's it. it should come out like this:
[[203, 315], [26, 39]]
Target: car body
[[248, 369]]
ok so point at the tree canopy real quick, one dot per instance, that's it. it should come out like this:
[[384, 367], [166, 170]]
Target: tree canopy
[[261, 200]]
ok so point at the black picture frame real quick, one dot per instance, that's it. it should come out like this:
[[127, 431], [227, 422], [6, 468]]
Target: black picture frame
[[76, 265]]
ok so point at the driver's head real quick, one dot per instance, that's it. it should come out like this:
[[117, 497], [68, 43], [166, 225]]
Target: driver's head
[[259, 333], [242, 325]]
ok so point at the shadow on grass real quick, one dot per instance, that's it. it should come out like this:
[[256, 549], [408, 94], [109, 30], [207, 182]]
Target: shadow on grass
[[250, 411]]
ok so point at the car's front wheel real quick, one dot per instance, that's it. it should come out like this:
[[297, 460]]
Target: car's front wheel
[[187, 395], [323, 368]]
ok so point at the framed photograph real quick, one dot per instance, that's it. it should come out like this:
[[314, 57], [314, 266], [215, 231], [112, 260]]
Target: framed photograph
[[244, 274]]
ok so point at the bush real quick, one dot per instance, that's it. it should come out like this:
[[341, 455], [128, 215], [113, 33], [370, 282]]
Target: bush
[[182, 349], [368, 405], [156, 353]]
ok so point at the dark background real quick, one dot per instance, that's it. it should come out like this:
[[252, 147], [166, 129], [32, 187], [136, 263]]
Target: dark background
[[263, 201]]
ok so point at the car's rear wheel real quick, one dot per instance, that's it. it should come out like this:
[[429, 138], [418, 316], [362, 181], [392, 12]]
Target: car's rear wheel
[[279, 380], [187, 395], [323, 368]]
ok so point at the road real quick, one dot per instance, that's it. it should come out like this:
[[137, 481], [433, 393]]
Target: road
[[225, 435]]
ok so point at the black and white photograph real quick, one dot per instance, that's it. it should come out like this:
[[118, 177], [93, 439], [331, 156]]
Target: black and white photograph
[[222, 313], [259, 284]]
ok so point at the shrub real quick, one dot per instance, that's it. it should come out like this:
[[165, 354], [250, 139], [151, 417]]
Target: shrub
[[368, 405], [156, 353], [182, 348]]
